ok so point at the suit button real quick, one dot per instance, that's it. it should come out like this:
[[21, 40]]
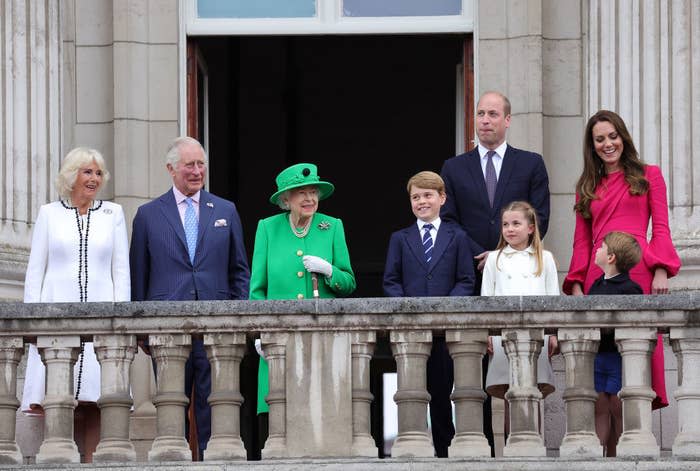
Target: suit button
[[299, 253], [192, 292], [300, 296], [492, 222], [430, 277], [300, 274]]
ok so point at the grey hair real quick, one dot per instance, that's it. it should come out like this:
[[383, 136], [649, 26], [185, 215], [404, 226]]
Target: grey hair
[[284, 205], [74, 160], [172, 155]]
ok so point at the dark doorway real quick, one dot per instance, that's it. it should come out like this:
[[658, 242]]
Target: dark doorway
[[370, 111]]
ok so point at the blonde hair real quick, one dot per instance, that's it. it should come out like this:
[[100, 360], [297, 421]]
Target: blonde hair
[[534, 239], [428, 180], [74, 160]]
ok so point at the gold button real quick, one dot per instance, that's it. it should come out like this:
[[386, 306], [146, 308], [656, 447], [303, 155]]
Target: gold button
[[300, 274], [299, 253], [300, 296]]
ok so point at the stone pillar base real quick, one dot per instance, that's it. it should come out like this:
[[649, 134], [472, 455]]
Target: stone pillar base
[[224, 448], [170, 449], [364, 446], [638, 444], [685, 445], [469, 445], [114, 450], [525, 444], [58, 451], [416, 444], [275, 447], [581, 445], [10, 453]]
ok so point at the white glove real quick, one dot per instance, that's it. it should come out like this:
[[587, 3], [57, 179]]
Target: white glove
[[314, 264], [258, 348]]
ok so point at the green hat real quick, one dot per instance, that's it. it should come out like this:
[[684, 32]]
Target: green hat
[[299, 175]]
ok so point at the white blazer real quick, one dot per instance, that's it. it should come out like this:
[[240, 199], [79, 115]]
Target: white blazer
[[515, 274]]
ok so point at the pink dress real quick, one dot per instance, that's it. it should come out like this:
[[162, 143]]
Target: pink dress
[[616, 209]]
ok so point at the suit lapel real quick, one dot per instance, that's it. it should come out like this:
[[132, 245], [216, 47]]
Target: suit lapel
[[444, 237], [206, 213], [507, 166], [415, 243], [473, 162], [168, 207]]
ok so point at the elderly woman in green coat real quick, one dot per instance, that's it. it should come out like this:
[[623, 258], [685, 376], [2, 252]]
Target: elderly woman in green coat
[[299, 250]]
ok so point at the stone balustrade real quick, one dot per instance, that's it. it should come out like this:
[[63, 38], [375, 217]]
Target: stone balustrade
[[318, 353]]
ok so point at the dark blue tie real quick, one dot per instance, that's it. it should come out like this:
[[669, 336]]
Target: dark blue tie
[[491, 179], [428, 242]]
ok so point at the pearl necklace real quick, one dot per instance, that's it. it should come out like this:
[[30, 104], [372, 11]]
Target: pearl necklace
[[82, 268], [305, 230]]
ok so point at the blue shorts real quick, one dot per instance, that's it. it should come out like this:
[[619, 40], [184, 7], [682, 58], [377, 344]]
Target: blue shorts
[[608, 372]]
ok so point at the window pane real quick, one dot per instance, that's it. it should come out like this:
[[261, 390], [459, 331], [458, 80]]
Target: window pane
[[401, 7], [256, 8]]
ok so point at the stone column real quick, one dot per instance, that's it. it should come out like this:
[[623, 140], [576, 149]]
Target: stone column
[[275, 346], [225, 352], [467, 348], [11, 350], [579, 347], [362, 350], [115, 354], [170, 353], [523, 347], [411, 349], [636, 346], [686, 346], [59, 354]]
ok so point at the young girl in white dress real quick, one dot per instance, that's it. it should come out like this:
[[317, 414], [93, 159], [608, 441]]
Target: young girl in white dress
[[519, 267]]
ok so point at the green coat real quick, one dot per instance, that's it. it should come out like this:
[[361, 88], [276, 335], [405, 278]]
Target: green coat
[[278, 272]]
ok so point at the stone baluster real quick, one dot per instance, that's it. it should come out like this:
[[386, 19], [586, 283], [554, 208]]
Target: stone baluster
[[275, 347], [362, 350], [115, 354], [467, 348], [636, 346], [411, 350], [686, 346], [170, 353], [523, 347], [59, 354], [225, 351], [11, 350], [579, 347]]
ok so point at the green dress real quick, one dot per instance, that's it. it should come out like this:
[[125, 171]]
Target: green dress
[[278, 272]]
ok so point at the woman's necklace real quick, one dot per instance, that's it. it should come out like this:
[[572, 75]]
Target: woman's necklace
[[83, 224], [300, 232]]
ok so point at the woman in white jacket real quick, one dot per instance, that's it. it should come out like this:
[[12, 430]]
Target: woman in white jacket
[[79, 253]]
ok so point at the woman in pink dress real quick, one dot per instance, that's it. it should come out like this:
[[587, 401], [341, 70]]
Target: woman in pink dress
[[618, 192]]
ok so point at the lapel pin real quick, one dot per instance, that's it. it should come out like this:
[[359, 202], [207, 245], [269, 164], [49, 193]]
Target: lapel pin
[[210, 204], [324, 225]]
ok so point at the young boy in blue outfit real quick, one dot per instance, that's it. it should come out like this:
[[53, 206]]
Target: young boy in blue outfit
[[431, 258], [616, 256]]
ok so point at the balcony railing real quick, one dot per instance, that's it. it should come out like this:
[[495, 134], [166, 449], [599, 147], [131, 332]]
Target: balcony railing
[[319, 354]]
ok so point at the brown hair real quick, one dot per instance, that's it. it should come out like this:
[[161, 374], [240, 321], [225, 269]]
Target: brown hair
[[535, 240], [625, 248], [506, 101], [594, 169], [426, 179]]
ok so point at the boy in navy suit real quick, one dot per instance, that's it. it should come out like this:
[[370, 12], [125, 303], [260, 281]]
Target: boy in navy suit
[[431, 258], [616, 256]]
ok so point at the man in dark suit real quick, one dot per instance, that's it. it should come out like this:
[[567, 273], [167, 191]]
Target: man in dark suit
[[482, 181], [431, 258], [187, 244]]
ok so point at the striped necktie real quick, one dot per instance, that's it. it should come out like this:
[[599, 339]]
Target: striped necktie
[[428, 242]]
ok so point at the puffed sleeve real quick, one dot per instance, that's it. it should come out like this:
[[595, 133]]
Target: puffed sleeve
[[38, 258], [342, 280], [120, 258], [488, 279], [581, 256], [258, 274], [660, 252], [551, 279]]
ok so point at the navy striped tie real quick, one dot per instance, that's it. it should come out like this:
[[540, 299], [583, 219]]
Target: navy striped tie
[[428, 243]]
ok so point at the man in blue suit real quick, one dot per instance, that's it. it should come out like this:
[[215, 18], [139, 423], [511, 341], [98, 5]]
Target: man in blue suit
[[187, 244], [431, 258], [484, 180]]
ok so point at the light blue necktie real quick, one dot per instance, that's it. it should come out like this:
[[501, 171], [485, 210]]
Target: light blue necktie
[[428, 243], [191, 229]]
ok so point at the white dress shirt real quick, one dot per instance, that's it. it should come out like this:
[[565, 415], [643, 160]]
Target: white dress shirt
[[433, 231], [497, 158], [182, 204]]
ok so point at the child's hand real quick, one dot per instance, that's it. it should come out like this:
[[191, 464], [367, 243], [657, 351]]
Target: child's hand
[[489, 345], [553, 347]]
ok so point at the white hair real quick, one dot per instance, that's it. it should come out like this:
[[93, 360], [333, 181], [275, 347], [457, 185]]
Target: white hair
[[172, 155], [74, 160]]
